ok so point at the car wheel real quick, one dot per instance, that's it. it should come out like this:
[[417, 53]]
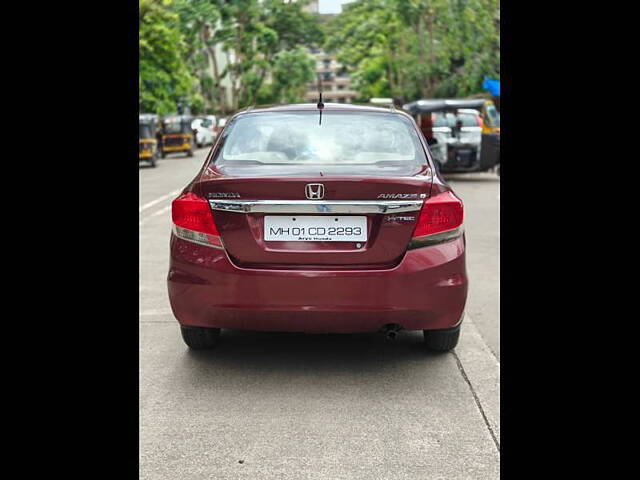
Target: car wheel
[[163, 154], [190, 153], [442, 340], [199, 338], [200, 145]]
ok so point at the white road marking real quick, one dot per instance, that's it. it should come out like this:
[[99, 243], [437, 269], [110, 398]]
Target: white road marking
[[162, 210], [155, 202], [158, 200]]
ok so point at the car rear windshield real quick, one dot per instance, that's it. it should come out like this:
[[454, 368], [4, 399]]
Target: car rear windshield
[[345, 143]]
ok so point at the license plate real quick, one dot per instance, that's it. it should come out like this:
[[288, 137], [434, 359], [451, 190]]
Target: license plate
[[310, 228]]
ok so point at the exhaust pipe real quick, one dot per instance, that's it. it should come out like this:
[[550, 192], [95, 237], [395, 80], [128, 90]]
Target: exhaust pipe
[[391, 330]]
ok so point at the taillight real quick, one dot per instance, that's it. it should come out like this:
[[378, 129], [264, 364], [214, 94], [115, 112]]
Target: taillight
[[440, 220], [193, 220]]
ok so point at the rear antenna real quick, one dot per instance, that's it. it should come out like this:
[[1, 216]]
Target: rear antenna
[[320, 108], [320, 104]]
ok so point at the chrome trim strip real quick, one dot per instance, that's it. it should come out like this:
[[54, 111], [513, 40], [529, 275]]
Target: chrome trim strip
[[316, 206], [435, 239]]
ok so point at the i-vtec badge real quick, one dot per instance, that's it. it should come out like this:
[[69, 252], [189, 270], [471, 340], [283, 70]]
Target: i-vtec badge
[[396, 218], [223, 195], [402, 196]]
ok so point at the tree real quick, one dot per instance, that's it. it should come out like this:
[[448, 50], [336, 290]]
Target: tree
[[221, 55], [164, 78], [417, 48], [252, 33], [292, 70], [198, 21]]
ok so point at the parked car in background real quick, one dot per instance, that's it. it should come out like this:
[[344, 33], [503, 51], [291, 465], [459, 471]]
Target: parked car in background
[[213, 119], [340, 226], [203, 128], [220, 125]]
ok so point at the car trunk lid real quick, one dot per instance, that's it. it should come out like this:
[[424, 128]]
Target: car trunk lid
[[381, 213]]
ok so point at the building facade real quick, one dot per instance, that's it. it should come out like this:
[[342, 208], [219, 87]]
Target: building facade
[[331, 76]]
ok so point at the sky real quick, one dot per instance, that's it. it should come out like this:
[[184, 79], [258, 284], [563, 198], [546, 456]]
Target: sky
[[331, 6]]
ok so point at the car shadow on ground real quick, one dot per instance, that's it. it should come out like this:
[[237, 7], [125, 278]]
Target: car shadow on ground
[[465, 177], [268, 352]]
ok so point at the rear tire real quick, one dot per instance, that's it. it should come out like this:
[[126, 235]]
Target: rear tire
[[189, 153], [199, 338], [442, 340]]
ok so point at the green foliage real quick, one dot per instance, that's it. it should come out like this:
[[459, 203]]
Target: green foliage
[[257, 33], [164, 78], [221, 55], [418, 48], [292, 70], [233, 48]]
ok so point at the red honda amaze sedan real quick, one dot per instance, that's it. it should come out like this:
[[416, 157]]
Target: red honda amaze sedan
[[307, 219]]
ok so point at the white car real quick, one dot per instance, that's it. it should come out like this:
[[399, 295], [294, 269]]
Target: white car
[[204, 131], [221, 123]]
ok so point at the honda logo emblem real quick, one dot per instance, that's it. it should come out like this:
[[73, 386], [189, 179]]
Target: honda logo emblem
[[314, 191]]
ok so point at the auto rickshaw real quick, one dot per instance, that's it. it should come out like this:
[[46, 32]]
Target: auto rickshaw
[[148, 124], [491, 133], [451, 148], [177, 135]]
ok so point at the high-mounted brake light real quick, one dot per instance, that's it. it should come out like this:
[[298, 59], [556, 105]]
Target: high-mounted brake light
[[193, 220], [440, 220]]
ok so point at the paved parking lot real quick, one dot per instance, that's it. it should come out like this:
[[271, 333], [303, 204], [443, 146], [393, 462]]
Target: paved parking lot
[[295, 406]]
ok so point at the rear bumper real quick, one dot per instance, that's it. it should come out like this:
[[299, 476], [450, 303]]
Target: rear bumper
[[427, 290]]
